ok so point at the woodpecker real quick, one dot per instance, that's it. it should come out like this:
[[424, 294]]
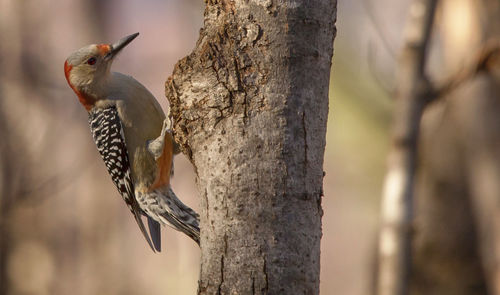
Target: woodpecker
[[133, 138]]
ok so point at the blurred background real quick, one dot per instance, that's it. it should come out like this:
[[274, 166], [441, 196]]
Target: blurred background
[[63, 227]]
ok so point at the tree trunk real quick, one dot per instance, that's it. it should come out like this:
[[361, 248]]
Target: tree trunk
[[250, 107], [397, 199], [456, 246]]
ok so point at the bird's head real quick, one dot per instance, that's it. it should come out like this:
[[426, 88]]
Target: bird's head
[[87, 69]]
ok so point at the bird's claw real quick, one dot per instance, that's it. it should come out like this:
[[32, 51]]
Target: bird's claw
[[167, 125]]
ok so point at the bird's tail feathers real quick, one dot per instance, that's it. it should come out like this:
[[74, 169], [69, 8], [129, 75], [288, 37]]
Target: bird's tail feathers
[[163, 206], [155, 233], [138, 219]]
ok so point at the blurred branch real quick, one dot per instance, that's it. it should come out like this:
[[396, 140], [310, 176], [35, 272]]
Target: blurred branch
[[372, 67], [370, 11], [51, 185], [412, 96], [485, 60]]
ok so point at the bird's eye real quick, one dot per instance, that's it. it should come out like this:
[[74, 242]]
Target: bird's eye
[[91, 61]]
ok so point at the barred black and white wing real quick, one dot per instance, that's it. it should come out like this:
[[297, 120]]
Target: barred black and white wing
[[107, 131]]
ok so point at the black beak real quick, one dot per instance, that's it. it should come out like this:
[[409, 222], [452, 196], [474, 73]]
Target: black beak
[[119, 45]]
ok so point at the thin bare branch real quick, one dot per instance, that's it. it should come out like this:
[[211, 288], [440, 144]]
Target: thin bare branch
[[370, 11], [388, 87]]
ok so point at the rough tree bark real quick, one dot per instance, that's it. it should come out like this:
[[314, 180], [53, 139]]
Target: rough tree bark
[[249, 107]]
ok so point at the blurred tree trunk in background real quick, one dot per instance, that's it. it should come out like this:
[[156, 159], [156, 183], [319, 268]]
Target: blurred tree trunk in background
[[457, 227], [16, 77], [7, 181], [250, 107], [397, 199], [28, 144]]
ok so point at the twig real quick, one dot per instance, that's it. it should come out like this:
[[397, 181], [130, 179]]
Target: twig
[[370, 11], [383, 83], [486, 59]]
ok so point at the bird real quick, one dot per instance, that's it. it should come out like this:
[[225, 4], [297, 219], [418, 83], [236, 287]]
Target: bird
[[133, 137]]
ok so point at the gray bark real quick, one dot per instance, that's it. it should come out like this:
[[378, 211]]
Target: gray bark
[[249, 107]]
